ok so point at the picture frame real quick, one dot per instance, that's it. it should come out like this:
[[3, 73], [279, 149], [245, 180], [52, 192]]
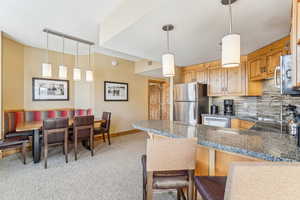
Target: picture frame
[[44, 89], [115, 91]]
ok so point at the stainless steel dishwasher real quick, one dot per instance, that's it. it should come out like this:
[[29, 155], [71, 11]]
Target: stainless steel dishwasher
[[223, 122]]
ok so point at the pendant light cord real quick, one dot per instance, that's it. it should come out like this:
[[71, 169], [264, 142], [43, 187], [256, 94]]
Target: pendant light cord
[[89, 55], [168, 41], [47, 47], [77, 54], [230, 13], [63, 50]]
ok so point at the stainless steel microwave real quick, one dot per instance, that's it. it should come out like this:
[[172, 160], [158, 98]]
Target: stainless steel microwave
[[283, 77]]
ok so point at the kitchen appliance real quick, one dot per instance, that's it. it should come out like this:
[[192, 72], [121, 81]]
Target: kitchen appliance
[[283, 76], [223, 122], [228, 107], [294, 122], [190, 101], [214, 109]]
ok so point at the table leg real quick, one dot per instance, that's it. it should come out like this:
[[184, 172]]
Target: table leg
[[36, 146]]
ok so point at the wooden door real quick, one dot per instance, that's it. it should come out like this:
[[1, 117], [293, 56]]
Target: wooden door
[[165, 105], [216, 78], [273, 60], [235, 81], [155, 102], [202, 75]]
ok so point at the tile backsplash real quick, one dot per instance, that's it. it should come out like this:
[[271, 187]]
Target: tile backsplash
[[267, 106]]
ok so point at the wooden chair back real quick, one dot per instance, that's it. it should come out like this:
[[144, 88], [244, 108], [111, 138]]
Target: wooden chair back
[[107, 117], [171, 154]]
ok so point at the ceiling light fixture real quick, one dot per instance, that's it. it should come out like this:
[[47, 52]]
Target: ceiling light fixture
[[47, 67], [89, 73], [168, 59], [76, 70], [231, 43], [63, 72]]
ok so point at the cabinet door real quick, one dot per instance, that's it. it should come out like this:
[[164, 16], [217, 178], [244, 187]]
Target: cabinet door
[[273, 60], [189, 76], [216, 82], [201, 75], [258, 68], [236, 82]]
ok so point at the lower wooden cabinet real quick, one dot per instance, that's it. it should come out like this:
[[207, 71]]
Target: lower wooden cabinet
[[211, 162], [241, 124]]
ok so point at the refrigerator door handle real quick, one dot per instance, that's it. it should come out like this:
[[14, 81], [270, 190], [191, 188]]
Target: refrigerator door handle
[[277, 85]]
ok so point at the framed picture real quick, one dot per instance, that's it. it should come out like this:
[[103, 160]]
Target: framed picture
[[115, 91], [50, 89]]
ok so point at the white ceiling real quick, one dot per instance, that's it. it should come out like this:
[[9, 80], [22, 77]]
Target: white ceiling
[[199, 27], [24, 21]]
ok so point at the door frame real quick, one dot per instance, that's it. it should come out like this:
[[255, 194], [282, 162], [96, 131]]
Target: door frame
[[159, 82]]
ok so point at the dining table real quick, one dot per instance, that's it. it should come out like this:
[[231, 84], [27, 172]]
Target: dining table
[[35, 127]]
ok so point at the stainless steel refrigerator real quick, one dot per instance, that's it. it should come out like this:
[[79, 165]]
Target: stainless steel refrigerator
[[190, 101]]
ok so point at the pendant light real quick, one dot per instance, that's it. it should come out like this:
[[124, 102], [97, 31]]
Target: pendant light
[[168, 59], [89, 73], [231, 43], [62, 73], [47, 67], [76, 70]]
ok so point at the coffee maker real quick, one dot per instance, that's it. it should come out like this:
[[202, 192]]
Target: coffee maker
[[228, 107]]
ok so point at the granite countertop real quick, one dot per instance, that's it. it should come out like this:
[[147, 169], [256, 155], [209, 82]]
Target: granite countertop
[[262, 145]]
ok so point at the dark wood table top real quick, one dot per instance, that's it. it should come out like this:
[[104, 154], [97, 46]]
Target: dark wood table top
[[36, 125]]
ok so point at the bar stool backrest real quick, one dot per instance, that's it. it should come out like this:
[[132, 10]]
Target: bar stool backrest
[[263, 180], [171, 154]]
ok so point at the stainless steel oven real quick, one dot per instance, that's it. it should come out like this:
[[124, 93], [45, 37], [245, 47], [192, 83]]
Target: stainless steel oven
[[223, 122]]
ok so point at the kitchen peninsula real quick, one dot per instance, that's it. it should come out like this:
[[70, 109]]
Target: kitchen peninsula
[[218, 147]]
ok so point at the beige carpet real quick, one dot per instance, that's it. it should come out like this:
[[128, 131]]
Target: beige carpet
[[114, 173]]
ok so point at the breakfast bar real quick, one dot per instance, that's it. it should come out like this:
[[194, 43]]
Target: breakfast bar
[[218, 147]]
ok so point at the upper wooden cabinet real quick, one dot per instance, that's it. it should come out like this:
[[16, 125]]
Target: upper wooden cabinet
[[216, 81], [227, 81], [223, 81], [295, 39], [262, 62]]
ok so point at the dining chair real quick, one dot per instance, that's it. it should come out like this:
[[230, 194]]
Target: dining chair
[[55, 131], [15, 142], [83, 129], [104, 127]]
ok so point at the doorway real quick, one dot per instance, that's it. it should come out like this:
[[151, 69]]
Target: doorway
[[158, 100]]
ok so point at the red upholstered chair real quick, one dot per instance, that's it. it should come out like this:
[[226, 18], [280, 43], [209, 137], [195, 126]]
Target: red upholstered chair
[[19, 117], [64, 113], [37, 116], [79, 112], [89, 111], [51, 114]]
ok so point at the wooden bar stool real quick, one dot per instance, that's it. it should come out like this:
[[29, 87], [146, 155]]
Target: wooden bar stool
[[170, 157]]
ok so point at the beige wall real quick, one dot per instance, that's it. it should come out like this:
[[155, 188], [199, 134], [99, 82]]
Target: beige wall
[[33, 59], [24, 62], [13, 70], [123, 113]]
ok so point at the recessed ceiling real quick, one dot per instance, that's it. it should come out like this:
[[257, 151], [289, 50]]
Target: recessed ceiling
[[24, 21], [199, 28]]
